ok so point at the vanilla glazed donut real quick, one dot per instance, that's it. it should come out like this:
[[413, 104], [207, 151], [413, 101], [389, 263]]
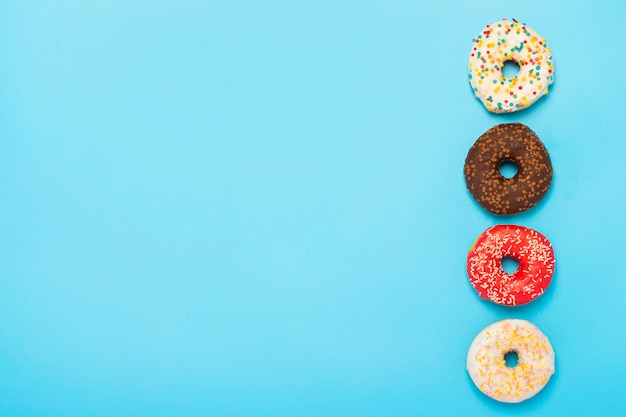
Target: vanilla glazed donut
[[509, 41], [487, 366], [528, 247]]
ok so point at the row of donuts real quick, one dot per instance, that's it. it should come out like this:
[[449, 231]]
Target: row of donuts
[[488, 364]]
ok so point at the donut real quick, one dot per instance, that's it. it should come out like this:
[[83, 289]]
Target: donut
[[489, 371], [509, 41], [515, 143], [528, 247]]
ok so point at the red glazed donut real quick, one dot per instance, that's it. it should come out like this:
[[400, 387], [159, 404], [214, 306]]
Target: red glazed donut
[[528, 247]]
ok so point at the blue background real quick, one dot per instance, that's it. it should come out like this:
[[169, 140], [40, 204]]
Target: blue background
[[257, 208]]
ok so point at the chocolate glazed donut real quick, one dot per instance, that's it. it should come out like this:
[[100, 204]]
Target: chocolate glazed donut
[[518, 144]]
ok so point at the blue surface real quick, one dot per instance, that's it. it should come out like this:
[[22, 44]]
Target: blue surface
[[246, 208]]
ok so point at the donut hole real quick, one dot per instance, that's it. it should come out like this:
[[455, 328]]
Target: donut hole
[[511, 359], [508, 169], [509, 264], [510, 69]]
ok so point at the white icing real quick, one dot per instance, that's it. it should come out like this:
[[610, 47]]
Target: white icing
[[489, 372], [504, 41]]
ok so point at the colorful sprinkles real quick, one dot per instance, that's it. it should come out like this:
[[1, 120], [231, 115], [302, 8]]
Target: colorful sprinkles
[[487, 367], [509, 41]]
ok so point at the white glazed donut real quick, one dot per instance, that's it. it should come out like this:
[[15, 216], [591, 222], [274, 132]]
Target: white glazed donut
[[513, 41], [488, 369]]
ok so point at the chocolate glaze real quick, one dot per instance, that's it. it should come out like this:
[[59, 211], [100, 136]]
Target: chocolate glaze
[[517, 143]]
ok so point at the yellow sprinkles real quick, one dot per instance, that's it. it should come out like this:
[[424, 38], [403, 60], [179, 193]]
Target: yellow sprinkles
[[489, 371], [509, 41]]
